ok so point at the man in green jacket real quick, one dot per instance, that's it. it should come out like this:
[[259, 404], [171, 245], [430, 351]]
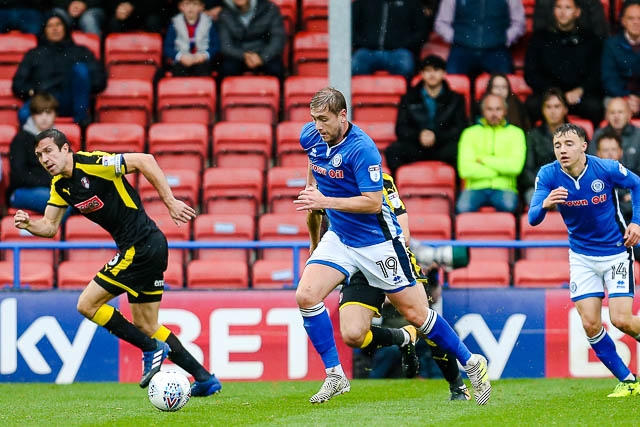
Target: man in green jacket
[[491, 155]]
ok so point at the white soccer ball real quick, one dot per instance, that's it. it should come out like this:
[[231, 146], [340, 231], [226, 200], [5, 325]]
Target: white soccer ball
[[169, 390]]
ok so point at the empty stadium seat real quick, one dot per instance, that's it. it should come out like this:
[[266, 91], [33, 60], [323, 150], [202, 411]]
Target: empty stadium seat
[[298, 91], [283, 186], [13, 46], [460, 83], [9, 104], [7, 132], [9, 233], [224, 227], [184, 183], [133, 55], [315, 15], [430, 226], [311, 54], [283, 226], [383, 133], [488, 226], [115, 137], [90, 41], [74, 275], [232, 190], [586, 124], [73, 133], [541, 273], [288, 150], [217, 274], [431, 180], [254, 97], [80, 229], [481, 274], [33, 275], [179, 145], [245, 144], [552, 228], [376, 97], [125, 101], [289, 12], [187, 100], [273, 274]]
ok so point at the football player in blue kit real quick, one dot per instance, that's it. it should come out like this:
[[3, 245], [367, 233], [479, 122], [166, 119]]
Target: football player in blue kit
[[583, 188], [345, 180]]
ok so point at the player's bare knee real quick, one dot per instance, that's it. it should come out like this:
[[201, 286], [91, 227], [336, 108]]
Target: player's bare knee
[[623, 323], [86, 308], [591, 328], [353, 336], [305, 298]]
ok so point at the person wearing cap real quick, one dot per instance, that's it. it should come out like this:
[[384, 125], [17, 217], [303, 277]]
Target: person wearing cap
[[431, 118]]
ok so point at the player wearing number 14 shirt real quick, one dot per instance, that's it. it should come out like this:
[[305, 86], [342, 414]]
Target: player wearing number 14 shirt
[[583, 189]]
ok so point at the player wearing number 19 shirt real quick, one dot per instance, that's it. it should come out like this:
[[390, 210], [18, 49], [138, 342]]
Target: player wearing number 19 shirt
[[583, 189], [345, 179]]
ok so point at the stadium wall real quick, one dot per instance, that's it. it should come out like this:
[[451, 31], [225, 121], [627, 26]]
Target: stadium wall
[[258, 335]]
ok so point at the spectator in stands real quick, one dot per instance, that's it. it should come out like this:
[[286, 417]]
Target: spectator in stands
[[491, 155], [540, 139], [609, 146], [84, 15], [621, 59], [592, 16], [387, 36], [29, 182], [23, 15], [517, 115], [213, 8], [430, 119], [191, 43], [137, 15], [618, 118], [565, 56], [58, 66], [480, 34], [252, 38]]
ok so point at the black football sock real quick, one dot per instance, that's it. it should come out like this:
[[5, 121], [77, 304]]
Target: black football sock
[[448, 364], [384, 337], [181, 357], [114, 322]]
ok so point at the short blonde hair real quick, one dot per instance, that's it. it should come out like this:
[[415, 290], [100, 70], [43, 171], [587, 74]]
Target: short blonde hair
[[330, 98]]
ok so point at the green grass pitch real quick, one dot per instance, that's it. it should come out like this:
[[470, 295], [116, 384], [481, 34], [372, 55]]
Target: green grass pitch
[[531, 402]]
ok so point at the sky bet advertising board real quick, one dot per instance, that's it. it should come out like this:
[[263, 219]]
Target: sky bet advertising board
[[258, 335]]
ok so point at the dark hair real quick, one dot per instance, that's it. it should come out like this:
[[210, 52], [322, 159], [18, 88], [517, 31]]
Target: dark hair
[[330, 98], [493, 77], [554, 92], [43, 102], [58, 137], [570, 128], [434, 61], [608, 134], [626, 5]]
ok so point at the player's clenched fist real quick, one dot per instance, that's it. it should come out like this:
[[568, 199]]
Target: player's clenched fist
[[21, 219]]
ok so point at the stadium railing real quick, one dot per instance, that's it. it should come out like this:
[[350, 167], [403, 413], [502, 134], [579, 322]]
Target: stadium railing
[[295, 246]]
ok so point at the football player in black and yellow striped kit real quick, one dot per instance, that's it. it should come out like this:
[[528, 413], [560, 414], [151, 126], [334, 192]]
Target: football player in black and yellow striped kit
[[360, 303], [95, 185]]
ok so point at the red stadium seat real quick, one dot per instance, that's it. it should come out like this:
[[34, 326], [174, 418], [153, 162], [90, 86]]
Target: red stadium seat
[[9, 104], [179, 145], [80, 229], [586, 124], [184, 183], [232, 190], [88, 40], [552, 228], [539, 273], [73, 133], [7, 133], [133, 55], [224, 227], [13, 46], [289, 153], [487, 226], [315, 15], [283, 226], [75, 275], [430, 226], [311, 54], [9, 233], [298, 91], [255, 97], [187, 100], [481, 274], [289, 12], [33, 275], [382, 133], [245, 144], [217, 274], [461, 84], [283, 186], [273, 274], [376, 97], [115, 137], [431, 180], [125, 101]]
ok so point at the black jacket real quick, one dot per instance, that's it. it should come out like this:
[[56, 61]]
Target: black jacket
[[46, 67], [26, 170], [449, 121]]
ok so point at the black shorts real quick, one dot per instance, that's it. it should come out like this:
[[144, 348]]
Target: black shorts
[[139, 271], [359, 292]]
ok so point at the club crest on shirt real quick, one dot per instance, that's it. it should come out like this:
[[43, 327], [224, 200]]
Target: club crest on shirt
[[374, 173], [85, 182], [336, 160], [597, 185]]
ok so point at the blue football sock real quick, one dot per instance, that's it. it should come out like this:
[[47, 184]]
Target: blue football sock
[[440, 332], [605, 349], [320, 331]]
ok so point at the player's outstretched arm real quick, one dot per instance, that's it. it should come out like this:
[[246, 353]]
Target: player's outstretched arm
[[47, 226], [181, 213]]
